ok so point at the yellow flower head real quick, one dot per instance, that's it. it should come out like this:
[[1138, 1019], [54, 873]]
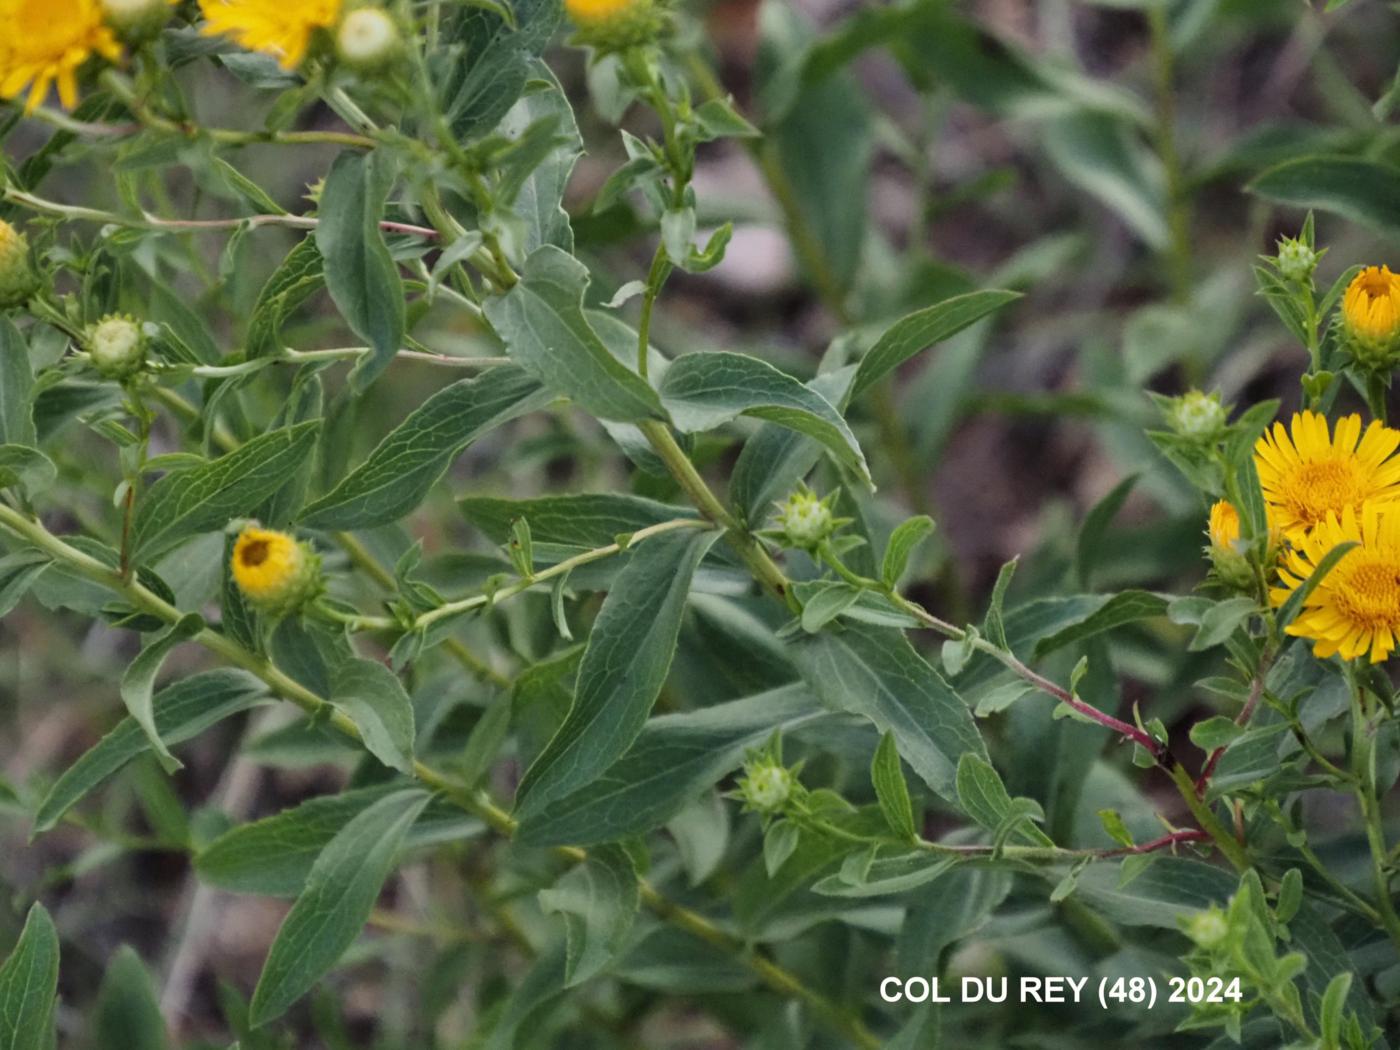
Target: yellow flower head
[[1314, 473], [1355, 610], [1371, 314], [1224, 525], [280, 28], [612, 25], [43, 42], [275, 573]]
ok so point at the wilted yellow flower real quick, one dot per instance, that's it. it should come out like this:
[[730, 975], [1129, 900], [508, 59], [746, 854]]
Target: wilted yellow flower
[[1314, 473], [1371, 315], [280, 28], [17, 280], [275, 573], [43, 42], [1355, 610]]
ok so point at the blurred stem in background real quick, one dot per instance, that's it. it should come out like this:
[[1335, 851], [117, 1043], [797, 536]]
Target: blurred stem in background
[[1178, 202]]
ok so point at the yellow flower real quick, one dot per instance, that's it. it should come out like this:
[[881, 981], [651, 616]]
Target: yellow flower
[[1305, 478], [281, 28], [275, 573], [1371, 315], [45, 41], [1355, 610], [1231, 562], [1224, 525]]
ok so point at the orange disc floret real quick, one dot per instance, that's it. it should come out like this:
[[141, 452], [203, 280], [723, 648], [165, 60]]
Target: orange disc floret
[[1354, 611], [44, 42], [1306, 472], [274, 27], [275, 572]]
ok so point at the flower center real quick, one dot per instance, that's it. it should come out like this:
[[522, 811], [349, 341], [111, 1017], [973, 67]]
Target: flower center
[[1369, 593], [253, 553], [1323, 485], [1374, 284]]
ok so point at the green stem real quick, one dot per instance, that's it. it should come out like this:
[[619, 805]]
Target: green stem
[[1363, 767], [1178, 205], [563, 568], [1206, 818], [476, 803], [689, 479]]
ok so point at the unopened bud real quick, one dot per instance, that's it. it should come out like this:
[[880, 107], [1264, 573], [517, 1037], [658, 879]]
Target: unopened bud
[[1197, 415], [17, 279], [135, 21], [766, 786], [615, 25], [368, 39], [117, 346], [804, 520]]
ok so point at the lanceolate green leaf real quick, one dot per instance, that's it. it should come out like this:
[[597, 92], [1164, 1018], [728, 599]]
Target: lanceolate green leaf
[[181, 712], [585, 520], [28, 985], [289, 286], [339, 895], [128, 1015], [138, 683], [416, 453], [373, 696], [628, 656], [706, 390], [273, 856], [1126, 607], [1367, 192], [542, 322], [925, 328], [891, 790], [16, 388], [208, 497], [361, 274], [674, 759], [875, 672], [598, 900]]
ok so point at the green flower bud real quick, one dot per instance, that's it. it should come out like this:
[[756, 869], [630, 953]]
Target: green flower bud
[[117, 346], [766, 787], [135, 21], [1296, 260], [368, 39], [18, 282], [804, 520], [1197, 415], [1208, 928]]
